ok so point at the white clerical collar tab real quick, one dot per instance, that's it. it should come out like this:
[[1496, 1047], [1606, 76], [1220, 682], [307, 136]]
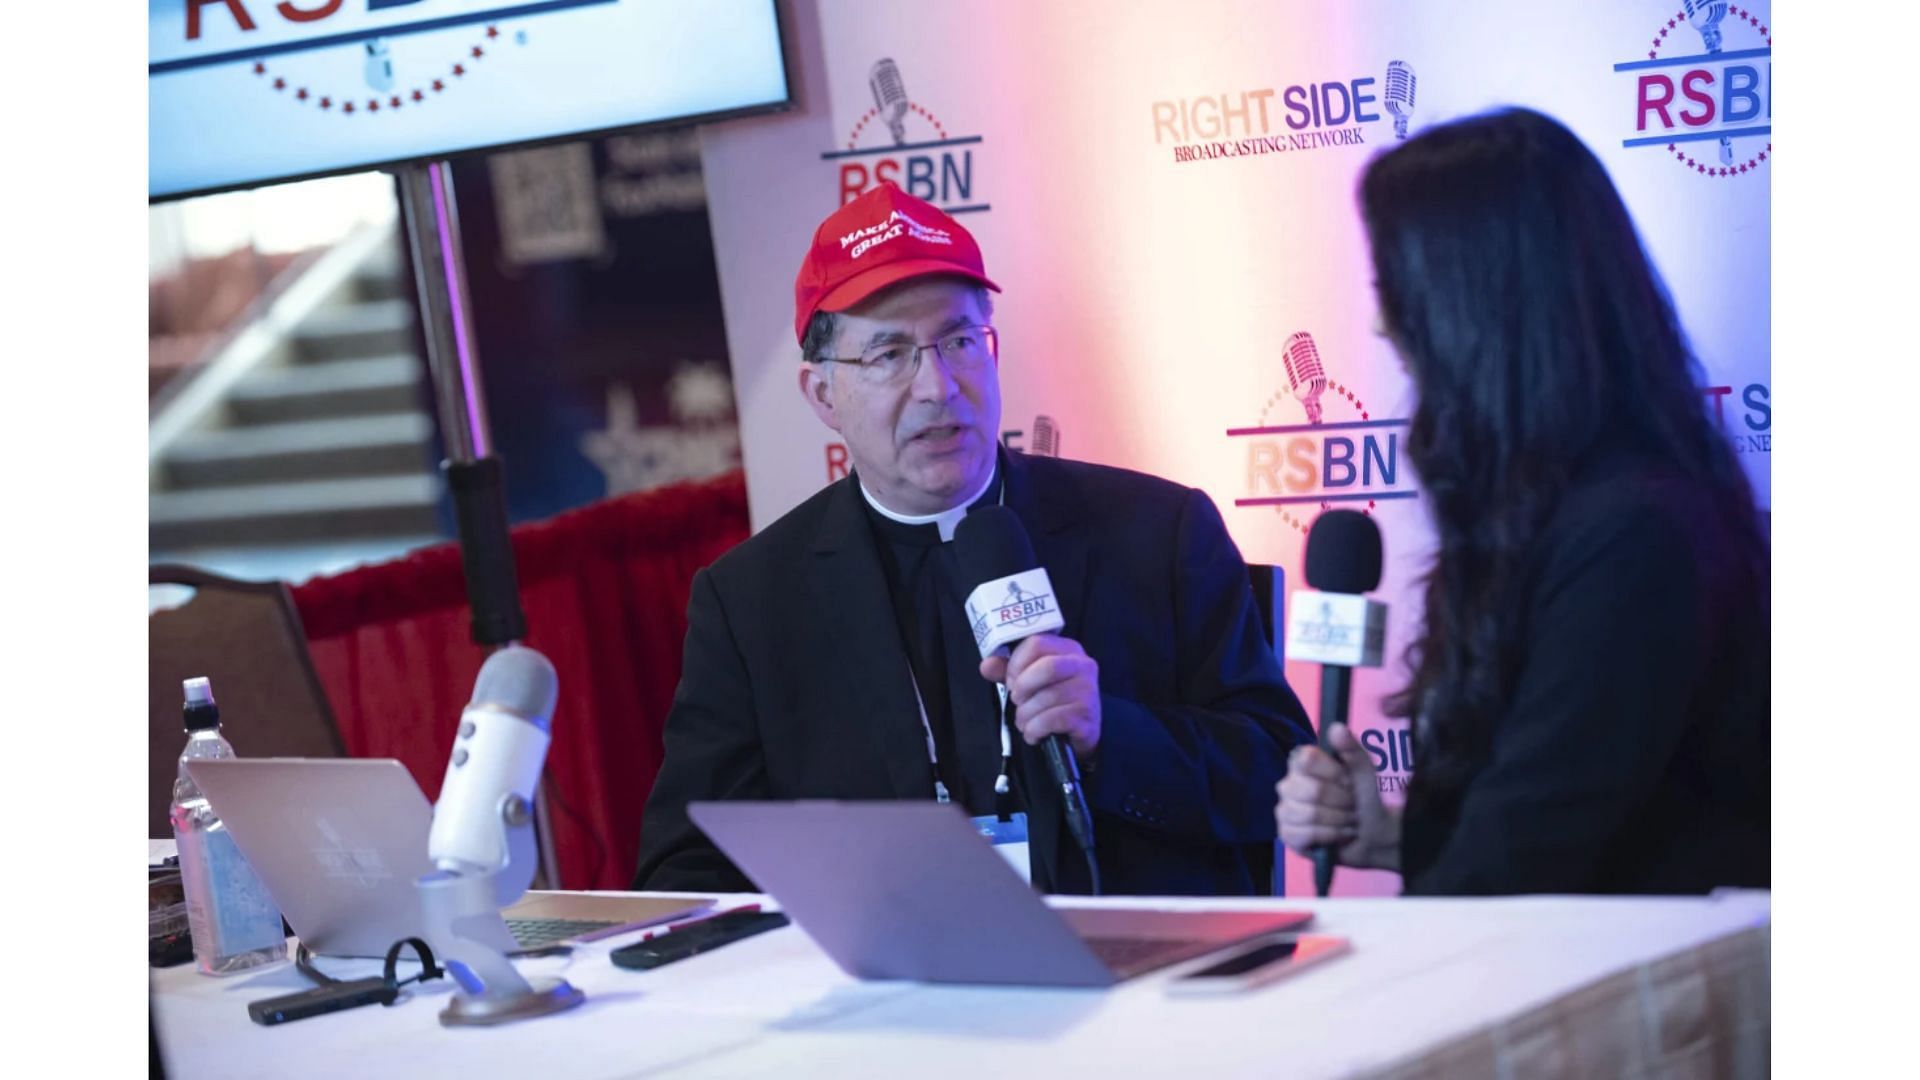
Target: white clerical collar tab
[[947, 520]]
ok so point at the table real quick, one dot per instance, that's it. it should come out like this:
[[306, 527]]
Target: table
[[1532, 986]]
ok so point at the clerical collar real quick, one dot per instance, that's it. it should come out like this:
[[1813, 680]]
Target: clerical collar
[[945, 520]]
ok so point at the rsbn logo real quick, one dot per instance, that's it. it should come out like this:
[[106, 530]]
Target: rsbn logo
[[900, 141], [1297, 469], [1704, 94]]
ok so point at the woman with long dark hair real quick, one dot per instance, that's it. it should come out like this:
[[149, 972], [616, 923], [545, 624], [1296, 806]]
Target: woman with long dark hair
[[1589, 693]]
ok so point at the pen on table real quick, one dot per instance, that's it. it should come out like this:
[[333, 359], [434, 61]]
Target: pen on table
[[683, 923]]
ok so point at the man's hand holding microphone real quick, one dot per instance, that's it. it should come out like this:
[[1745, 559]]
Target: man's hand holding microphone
[[1055, 689]]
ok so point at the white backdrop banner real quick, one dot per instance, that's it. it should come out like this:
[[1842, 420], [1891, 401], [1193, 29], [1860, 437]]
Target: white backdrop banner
[[1166, 191]]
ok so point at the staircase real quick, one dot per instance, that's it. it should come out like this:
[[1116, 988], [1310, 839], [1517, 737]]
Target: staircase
[[310, 430]]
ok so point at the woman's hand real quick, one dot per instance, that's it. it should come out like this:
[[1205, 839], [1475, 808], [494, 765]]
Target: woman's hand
[[1334, 800]]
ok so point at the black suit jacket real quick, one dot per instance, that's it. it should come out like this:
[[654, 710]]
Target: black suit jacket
[[796, 685]]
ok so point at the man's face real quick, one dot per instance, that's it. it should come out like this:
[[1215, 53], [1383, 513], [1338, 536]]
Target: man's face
[[925, 443]]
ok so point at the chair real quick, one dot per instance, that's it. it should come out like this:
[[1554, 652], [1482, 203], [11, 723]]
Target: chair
[[1270, 599], [244, 636]]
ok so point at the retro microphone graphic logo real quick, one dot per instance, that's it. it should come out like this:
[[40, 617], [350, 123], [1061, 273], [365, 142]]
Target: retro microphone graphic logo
[[1046, 436], [890, 97], [1399, 97], [1706, 18], [1305, 376]]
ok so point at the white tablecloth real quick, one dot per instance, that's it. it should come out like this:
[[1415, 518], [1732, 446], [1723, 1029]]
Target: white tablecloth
[[1515, 987]]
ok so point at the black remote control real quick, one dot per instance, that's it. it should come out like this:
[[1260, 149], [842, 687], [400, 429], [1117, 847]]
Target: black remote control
[[704, 936]]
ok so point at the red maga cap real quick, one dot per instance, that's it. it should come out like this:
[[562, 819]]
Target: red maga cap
[[881, 238]]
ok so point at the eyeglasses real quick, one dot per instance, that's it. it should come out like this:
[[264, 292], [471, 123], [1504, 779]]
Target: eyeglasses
[[964, 349]]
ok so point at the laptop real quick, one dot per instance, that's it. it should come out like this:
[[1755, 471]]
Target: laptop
[[908, 890], [339, 843]]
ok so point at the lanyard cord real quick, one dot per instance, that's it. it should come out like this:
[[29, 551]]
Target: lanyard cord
[[1001, 787], [940, 791]]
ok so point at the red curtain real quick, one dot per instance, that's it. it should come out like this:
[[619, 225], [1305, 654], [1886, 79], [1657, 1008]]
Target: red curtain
[[605, 593]]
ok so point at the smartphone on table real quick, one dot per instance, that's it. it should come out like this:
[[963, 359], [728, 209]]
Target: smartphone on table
[[1258, 963]]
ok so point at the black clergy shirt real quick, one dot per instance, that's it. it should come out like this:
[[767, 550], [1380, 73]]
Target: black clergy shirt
[[929, 606]]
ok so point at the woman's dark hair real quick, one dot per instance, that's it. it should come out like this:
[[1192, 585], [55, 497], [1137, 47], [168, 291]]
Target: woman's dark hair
[[1538, 337]]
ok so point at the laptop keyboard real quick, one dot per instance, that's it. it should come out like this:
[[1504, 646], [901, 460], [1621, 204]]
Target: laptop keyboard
[[536, 933], [1127, 955]]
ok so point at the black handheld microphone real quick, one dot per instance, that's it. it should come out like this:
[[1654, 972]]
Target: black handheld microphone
[[1012, 600], [1331, 623]]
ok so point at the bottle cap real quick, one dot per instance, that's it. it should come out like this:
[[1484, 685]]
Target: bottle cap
[[200, 713]]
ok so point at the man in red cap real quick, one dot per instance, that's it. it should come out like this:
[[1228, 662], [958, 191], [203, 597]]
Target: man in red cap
[[830, 655]]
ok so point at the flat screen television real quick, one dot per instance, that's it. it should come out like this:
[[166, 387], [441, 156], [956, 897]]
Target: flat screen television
[[248, 92]]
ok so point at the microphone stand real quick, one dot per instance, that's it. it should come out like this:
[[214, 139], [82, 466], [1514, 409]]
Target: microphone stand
[[473, 471], [490, 990]]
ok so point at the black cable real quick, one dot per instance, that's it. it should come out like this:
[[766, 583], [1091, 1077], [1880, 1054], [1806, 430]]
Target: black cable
[[1061, 763], [429, 969], [303, 960], [1066, 770]]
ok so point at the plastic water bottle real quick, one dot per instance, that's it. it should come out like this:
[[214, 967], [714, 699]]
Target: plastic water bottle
[[233, 920]]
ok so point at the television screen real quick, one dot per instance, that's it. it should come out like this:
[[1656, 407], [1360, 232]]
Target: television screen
[[248, 92]]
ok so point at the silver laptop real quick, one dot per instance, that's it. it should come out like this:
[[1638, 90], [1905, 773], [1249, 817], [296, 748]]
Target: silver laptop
[[908, 890], [339, 843]]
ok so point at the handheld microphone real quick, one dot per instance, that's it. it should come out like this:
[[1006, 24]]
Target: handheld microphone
[[1305, 377], [1332, 624], [496, 761], [1399, 95], [890, 97], [1013, 601]]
